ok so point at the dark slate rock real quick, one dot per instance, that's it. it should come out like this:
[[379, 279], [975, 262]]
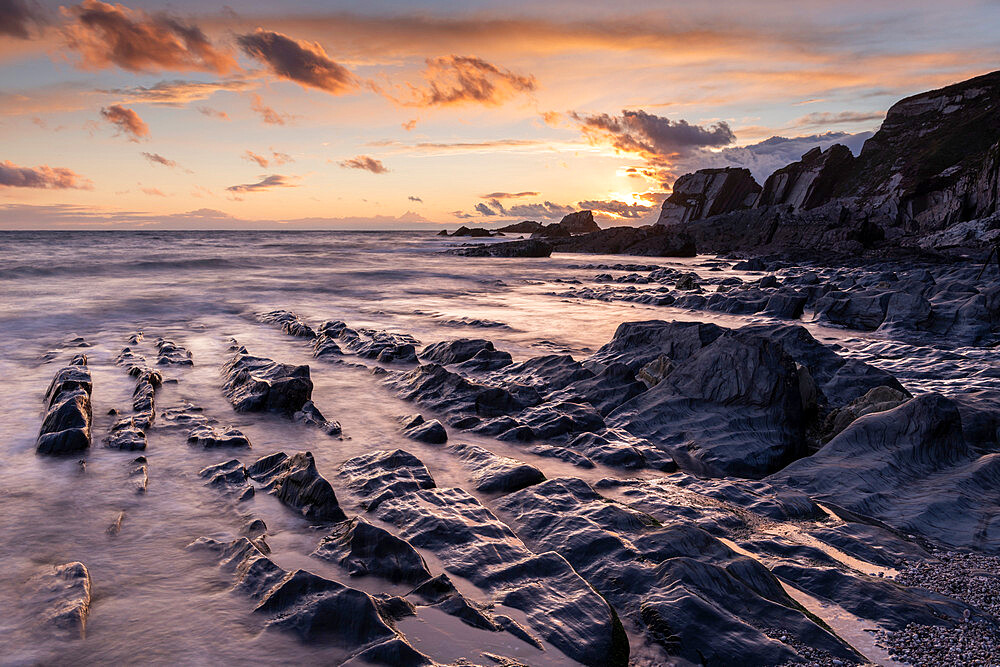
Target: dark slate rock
[[912, 468], [496, 474], [126, 434], [605, 391], [258, 384], [612, 449], [431, 431], [66, 427], [733, 408], [563, 454], [382, 474], [325, 347], [364, 549], [547, 373], [451, 394], [295, 481], [485, 361], [230, 477], [525, 248], [288, 322], [855, 310], [635, 344], [558, 418], [172, 354], [455, 351], [210, 437]]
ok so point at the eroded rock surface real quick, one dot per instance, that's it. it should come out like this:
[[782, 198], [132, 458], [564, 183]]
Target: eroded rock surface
[[66, 427]]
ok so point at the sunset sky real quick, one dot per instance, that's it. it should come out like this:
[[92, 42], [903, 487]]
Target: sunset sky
[[355, 115]]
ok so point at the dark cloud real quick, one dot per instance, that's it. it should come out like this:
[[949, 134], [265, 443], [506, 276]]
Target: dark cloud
[[177, 92], [508, 195], [106, 35], [303, 62], [546, 209], [17, 17], [616, 209], [156, 158], [450, 80], [416, 199], [462, 215], [127, 121], [267, 114], [267, 183], [275, 158], [366, 163], [653, 137], [821, 119], [44, 177]]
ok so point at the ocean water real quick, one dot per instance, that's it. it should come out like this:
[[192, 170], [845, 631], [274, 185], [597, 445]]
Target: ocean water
[[154, 600]]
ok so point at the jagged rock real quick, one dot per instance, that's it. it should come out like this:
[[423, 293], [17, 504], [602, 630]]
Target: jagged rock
[[611, 387], [653, 373], [648, 241], [525, 248], [449, 393], [383, 346], [209, 437], [543, 374], [913, 468], [126, 434], [471, 231], [496, 474], [295, 481], [708, 192], [732, 408], [381, 475], [857, 310], [636, 344], [325, 346], [485, 361], [810, 182], [579, 222], [257, 384], [172, 354], [524, 227], [139, 473], [64, 592], [421, 430], [878, 399], [66, 427], [230, 477], [557, 418], [364, 549], [563, 454], [288, 322], [455, 351], [609, 448]]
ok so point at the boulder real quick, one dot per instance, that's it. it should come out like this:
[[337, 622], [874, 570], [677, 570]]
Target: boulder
[[66, 427], [363, 549], [493, 473], [258, 384], [525, 248], [295, 481], [64, 594], [288, 322], [455, 351], [579, 222], [210, 437]]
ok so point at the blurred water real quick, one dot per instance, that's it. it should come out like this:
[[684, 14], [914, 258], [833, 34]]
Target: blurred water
[[156, 602]]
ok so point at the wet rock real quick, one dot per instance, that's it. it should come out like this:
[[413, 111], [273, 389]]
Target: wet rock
[[394, 653], [210, 437], [563, 454], [733, 408], [675, 581], [383, 346], [558, 418], [230, 477], [636, 344], [472, 543], [364, 549], [258, 384], [455, 351], [310, 414], [446, 392], [856, 310], [288, 322], [66, 427], [878, 399], [295, 481], [525, 248], [325, 346], [611, 448], [382, 474], [172, 354], [63, 593], [485, 361], [786, 305], [493, 473], [139, 474], [421, 430], [912, 468], [126, 434], [605, 391], [543, 374]]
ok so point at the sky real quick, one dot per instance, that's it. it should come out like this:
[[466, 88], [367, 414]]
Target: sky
[[382, 115]]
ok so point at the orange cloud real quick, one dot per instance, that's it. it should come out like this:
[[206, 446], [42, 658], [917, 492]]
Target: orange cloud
[[105, 35], [177, 93], [127, 121], [365, 163], [266, 183], [302, 62], [44, 177], [508, 195], [267, 114], [451, 80]]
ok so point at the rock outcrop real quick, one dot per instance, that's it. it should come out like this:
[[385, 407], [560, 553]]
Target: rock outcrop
[[933, 166], [525, 248], [709, 192], [295, 481], [648, 241], [66, 427], [64, 591]]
